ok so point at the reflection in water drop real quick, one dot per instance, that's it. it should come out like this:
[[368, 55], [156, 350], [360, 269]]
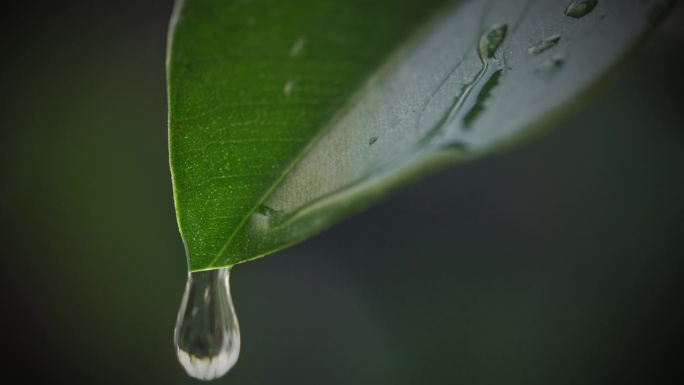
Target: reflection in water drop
[[544, 45], [579, 9], [207, 336]]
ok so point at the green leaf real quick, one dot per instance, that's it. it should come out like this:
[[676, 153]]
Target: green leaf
[[287, 116]]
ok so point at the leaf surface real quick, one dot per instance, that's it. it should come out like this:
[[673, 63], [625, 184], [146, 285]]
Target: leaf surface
[[285, 117]]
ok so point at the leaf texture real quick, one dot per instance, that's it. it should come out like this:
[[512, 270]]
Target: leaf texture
[[285, 117]]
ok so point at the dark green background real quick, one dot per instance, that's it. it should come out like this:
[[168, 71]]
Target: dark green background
[[560, 262]]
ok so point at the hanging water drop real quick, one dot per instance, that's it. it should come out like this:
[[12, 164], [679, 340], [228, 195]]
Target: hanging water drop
[[207, 336]]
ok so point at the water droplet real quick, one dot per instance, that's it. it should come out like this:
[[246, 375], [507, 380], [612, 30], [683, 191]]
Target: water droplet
[[372, 140], [288, 87], [544, 45], [265, 217], [490, 41], [581, 8], [265, 210], [207, 336], [298, 46], [492, 70]]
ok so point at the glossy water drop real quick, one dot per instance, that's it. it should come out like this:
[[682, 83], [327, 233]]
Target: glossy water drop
[[465, 108], [490, 41], [265, 210], [581, 8], [544, 45], [207, 336]]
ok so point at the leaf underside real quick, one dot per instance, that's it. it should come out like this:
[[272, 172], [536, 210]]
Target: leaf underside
[[285, 117]]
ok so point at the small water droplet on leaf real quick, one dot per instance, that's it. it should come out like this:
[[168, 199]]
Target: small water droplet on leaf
[[298, 46], [544, 45], [470, 101], [578, 9], [265, 210], [288, 87], [491, 41]]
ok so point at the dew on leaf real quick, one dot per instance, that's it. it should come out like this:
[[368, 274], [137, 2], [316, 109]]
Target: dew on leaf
[[298, 46], [491, 41], [544, 45]]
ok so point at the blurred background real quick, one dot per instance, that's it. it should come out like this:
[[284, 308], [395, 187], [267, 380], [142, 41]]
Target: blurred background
[[557, 263]]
